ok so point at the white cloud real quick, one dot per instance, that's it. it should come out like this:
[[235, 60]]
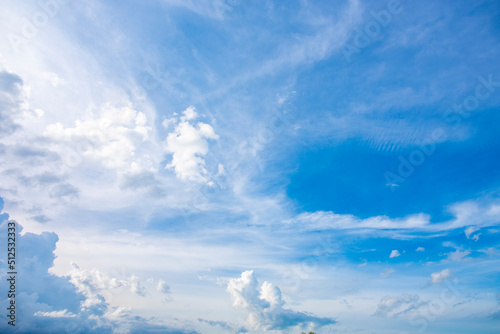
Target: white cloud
[[475, 214], [85, 160], [439, 277], [482, 213], [111, 137], [54, 79], [399, 305], [162, 287], [210, 9], [96, 282], [394, 253], [12, 102], [458, 255], [136, 287], [471, 230], [55, 314], [68, 304], [420, 249], [224, 325], [189, 114], [387, 272], [330, 220], [265, 305], [188, 144]]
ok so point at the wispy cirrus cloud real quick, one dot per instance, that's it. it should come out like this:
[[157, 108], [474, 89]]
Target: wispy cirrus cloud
[[398, 305], [482, 212], [83, 152]]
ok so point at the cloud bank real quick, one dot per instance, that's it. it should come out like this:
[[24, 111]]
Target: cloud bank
[[74, 304]]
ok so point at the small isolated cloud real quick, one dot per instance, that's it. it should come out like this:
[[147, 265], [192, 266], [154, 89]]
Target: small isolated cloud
[[469, 231], [387, 272], [162, 287], [440, 276], [399, 305], [394, 253], [459, 255], [188, 144], [420, 249], [265, 306]]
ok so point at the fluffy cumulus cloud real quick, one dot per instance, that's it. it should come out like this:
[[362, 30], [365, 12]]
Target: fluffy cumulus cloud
[[439, 277], [75, 304], [63, 157], [40, 157], [265, 305], [111, 136], [95, 282], [394, 253], [163, 287], [188, 144]]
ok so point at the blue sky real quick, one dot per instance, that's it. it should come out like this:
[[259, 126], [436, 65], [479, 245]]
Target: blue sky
[[235, 166]]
